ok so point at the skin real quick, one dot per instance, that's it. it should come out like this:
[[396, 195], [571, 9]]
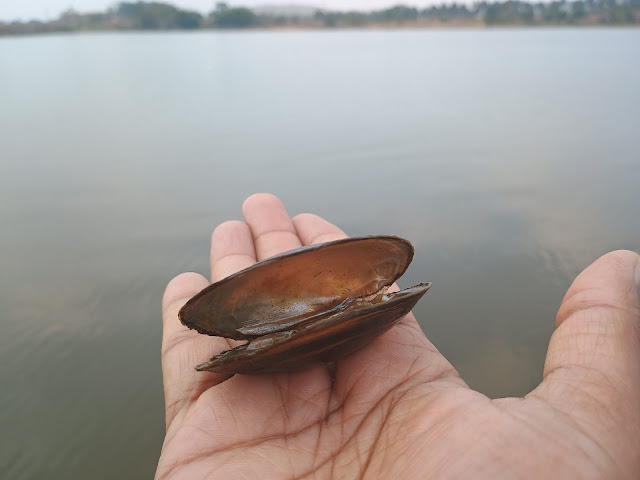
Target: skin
[[397, 408]]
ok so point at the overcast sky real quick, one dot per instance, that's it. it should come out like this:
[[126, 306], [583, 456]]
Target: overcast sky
[[48, 9]]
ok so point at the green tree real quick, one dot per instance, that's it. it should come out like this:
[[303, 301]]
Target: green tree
[[398, 13], [154, 15], [233, 17], [555, 12], [506, 13], [355, 18], [621, 14], [578, 11], [329, 19]]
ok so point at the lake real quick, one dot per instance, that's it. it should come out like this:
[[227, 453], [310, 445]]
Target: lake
[[510, 158]]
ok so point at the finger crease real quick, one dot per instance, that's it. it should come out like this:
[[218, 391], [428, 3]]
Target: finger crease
[[243, 256], [262, 236]]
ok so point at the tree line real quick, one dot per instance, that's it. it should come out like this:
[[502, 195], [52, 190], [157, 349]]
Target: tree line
[[163, 16]]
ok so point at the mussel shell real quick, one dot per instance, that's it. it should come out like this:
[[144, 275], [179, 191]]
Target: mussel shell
[[324, 340], [281, 291], [313, 304]]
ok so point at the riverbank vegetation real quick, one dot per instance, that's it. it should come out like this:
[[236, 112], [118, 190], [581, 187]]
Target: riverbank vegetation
[[163, 16]]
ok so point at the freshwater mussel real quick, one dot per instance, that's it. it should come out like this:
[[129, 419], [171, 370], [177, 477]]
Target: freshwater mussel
[[313, 304]]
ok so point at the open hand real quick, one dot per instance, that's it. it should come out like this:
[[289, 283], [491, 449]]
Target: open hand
[[397, 408]]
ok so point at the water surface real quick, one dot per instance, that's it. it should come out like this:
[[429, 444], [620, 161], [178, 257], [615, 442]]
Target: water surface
[[508, 157]]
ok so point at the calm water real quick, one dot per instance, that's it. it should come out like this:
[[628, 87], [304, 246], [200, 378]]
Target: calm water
[[509, 157]]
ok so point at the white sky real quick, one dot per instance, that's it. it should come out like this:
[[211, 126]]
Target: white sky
[[49, 9]]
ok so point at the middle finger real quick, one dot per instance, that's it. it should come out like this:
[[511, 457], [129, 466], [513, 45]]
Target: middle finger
[[271, 227]]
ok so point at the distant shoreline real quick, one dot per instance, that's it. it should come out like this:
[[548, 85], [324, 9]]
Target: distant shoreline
[[144, 16], [297, 28]]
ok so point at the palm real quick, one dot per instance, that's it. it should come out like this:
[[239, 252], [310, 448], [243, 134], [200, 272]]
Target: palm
[[394, 409]]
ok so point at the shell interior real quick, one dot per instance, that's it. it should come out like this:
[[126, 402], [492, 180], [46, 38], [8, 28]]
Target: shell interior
[[312, 304], [277, 293]]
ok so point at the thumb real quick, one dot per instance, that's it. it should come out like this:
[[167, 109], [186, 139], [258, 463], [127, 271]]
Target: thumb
[[593, 361]]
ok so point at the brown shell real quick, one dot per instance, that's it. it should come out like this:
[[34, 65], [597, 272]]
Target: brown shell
[[313, 304]]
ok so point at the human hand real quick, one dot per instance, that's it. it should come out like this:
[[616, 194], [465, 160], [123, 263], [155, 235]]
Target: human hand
[[397, 408]]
